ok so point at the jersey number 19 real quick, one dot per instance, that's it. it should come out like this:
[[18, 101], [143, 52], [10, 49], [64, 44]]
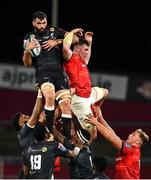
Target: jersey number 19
[[35, 161]]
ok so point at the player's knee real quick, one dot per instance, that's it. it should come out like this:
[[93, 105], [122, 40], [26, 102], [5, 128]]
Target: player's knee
[[64, 100], [106, 92], [48, 90], [100, 93], [85, 125]]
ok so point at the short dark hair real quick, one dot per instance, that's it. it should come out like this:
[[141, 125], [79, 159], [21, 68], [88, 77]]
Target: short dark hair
[[100, 163], [39, 131], [15, 121], [81, 42], [39, 15]]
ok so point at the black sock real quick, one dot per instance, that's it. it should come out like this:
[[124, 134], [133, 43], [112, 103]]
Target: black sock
[[49, 119], [66, 125]]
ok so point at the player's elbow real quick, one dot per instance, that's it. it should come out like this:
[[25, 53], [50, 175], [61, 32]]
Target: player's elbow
[[27, 64], [66, 52], [65, 48]]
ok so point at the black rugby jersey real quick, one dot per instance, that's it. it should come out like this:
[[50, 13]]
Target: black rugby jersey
[[48, 60], [26, 136], [81, 166], [40, 158]]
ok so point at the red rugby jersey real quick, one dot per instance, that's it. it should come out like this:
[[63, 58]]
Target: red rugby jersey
[[79, 76], [128, 162]]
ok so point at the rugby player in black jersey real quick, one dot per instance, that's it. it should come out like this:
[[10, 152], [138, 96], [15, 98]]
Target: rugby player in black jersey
[[42, 48], [24, 124], [80, 167], [39, 158]]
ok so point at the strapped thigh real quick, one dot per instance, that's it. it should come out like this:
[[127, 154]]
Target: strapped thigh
[[47, 86], [63, 95]]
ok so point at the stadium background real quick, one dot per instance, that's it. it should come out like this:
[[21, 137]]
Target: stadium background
[[120, 60]]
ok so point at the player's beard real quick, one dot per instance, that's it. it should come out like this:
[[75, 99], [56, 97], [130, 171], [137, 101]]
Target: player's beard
[[41, 31]]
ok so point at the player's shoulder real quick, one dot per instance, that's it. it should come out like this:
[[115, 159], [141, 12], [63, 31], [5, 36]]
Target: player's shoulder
[[55, 29]]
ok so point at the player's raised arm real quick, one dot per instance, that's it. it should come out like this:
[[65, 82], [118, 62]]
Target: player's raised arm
[[105, 132]]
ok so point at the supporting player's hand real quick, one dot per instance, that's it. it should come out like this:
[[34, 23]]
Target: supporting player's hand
[[88, 36], [91, 119], [96, 111], [78, 32]]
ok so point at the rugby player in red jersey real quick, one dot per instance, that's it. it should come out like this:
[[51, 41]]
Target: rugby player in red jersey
[[76, 61], [128, 160]]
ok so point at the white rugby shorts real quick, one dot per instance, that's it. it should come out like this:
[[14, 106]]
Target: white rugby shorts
[[81, 107]]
